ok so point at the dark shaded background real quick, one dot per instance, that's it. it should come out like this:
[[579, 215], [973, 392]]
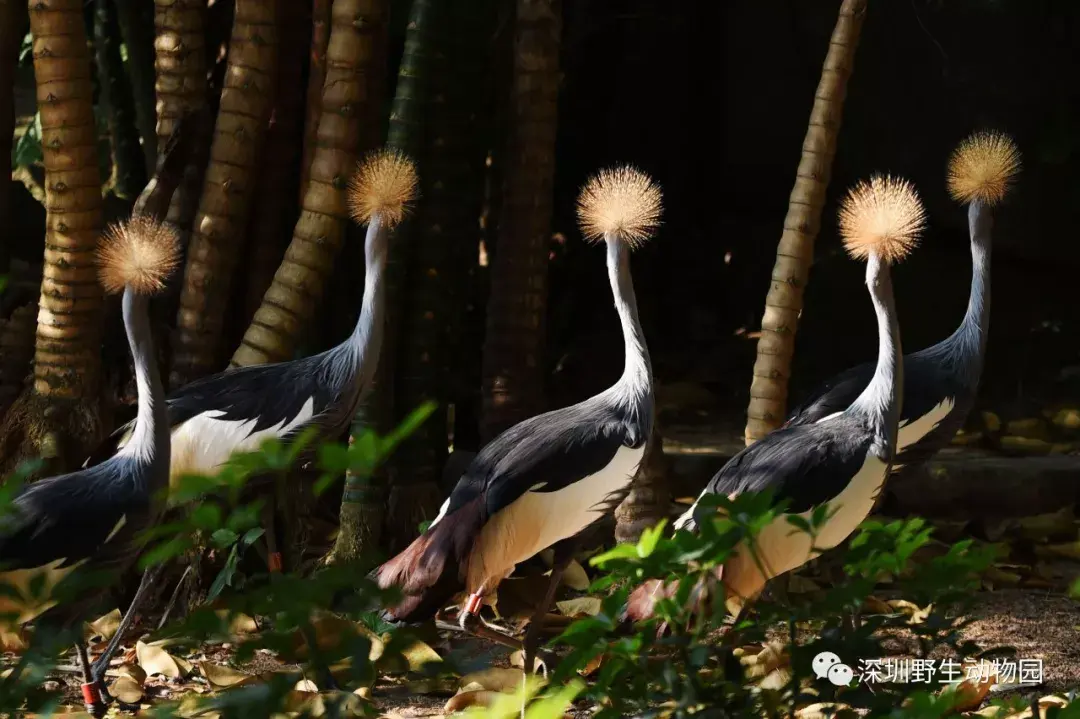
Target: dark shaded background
[[712, 98]]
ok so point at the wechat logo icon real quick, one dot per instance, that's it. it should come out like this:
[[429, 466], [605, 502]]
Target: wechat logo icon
[[828, 666]]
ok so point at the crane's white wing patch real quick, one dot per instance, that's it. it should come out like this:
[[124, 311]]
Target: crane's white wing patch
[[912, 432], [536, 520], [442, 513], [205, 442]]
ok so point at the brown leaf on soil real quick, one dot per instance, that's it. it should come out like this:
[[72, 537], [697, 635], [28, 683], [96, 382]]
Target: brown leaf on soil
[[220, 676], [127, 690], [916, 615], [575, 577], [825, 710], [155, 660], [496, 679], [103, 628], [480, 697], [580, 607]]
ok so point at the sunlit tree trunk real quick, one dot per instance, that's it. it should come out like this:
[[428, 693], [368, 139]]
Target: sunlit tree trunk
[[180, 70], [58, 418], [795, 253], [650, 497], [288, 307], [228, 189], [513, 363]]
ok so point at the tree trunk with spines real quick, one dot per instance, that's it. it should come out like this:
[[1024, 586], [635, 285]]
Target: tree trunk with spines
[[116, 100], [320, 39], [649, 500], [180, 71], [288, 307], [228, 189], [513, 363], [795, 253], [58, 418]]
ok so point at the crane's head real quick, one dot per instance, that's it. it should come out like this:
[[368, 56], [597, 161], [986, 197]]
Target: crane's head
[[982, 168], [140, 253], [382, 188], [883, 217], [621, 203]]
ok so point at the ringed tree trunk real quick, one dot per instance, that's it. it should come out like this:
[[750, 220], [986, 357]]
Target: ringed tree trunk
[[228, 189], [268, 229], [288, 307], [795, 253], [513, 367], [58, 418], [320, 39], [115, 99], [649, 500], [137, 30]]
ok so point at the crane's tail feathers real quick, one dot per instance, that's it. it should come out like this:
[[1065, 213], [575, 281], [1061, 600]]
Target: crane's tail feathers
[[982, 168], [383, 185], [429, 572], [140, 253], [622, 202]]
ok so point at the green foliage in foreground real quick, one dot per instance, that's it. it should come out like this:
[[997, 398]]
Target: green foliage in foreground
[[685, 662]]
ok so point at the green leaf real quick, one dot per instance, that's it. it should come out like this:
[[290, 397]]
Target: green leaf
[[225, 576], [555, 706], [224, 537], [621, 551], [251, 535], [650, 538]]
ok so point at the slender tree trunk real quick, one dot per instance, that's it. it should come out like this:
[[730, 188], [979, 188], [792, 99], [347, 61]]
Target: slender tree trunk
[[268, 229], [320, 39], [59, 418], [357, 29], [116, 100], [649, 500], [795, 253], [446, 223], [180, 63], [513, 364], [137, 30], [228, 189], [11, 22]]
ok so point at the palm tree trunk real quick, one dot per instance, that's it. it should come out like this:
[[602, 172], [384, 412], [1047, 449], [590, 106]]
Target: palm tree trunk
[[446, 224], [269, 229], [115, 99], [320, 39], [513, 366], [357, 29], [228, 189], [11, 23], [180, 71], [137, 30], [795, 253], [67, 348], [649, 500]]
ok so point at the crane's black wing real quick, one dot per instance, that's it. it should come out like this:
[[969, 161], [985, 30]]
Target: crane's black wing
[[834, 395], [73, 517], [547, 453], [806, 465]]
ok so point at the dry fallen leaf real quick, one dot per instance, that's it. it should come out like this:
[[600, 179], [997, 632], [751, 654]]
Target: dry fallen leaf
[[480, 697], [1040, 526], [132, 670], [496, 679], [127, 690], [306, 685], [432, 685], [155, 660], [220, 676], [517, 659], [103, 628], [873, 605], [916, 615], [825, 710], [418, 654], [575, 577], [580, 607]]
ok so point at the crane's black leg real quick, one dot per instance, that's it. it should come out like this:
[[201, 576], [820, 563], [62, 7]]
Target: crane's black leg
[[273, 556], [102, 664], [95, 707], [564, 552], [470, 622], [322, 669]]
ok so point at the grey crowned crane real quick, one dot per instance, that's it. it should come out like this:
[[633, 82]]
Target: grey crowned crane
[[91, 518], [543, 481], [941, 381], [236, 410], [841, 460]]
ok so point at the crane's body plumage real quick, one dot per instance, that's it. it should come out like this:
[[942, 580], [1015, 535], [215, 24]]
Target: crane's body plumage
[[540, 482], [940, 382]]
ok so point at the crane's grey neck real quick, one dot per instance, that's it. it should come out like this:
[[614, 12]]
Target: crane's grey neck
[[150, 443], [359, 353], [634, 388], [968, 343], [880, 402]]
